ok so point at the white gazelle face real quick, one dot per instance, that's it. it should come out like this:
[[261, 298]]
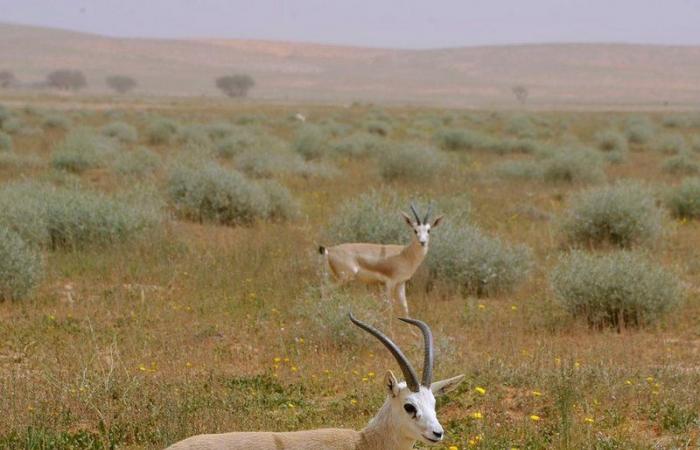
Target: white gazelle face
[[422, 230]]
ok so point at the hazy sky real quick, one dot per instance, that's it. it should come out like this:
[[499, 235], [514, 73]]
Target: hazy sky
[[379, 23]]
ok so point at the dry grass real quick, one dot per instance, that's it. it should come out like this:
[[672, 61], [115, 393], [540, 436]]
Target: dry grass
[[141, 344]]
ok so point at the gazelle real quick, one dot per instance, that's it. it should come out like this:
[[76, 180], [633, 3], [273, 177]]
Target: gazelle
[[392, 265], [408, 414]]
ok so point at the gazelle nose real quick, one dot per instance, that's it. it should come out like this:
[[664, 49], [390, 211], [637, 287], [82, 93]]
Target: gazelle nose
[[437, 434]]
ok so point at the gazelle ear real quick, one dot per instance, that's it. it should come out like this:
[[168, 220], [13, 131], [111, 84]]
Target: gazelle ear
[[392, 385], [407, 218], [437, 222], [444, 386]]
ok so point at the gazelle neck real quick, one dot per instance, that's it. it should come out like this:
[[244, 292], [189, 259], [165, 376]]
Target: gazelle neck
[[414, 251], [382, 432]]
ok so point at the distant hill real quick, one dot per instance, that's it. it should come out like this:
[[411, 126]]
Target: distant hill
[[555, 74]]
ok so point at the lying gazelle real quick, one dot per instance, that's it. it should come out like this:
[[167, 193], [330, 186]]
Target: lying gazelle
[[408, 414], [392, 265]]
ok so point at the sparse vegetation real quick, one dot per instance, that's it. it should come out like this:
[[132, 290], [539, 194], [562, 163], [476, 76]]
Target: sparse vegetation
[[670, 144], [161, 131], [20, 266], [310, 142], [624, 214], [137, 163], [639, 130], [619, 289], [82, 149], [121, 131], [572, 165], [684, 200], [683, 163], [5, 142], [411, 162], [613, 143]]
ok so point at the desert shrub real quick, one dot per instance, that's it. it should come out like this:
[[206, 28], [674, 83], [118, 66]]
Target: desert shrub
[[411, 162], [310, 142], [612, 143], [20, 266], [121, 84], [335, 129], [265, 164], [378, 127], [161, 131], [328, 317], [617, 289], [359, 145], [623, 214], [236, 85], [66, 79], [219, 130], [505, 146], [526, 170], [683, 163], [80, 150], [5, 142], [369, 217], [695, 144], [639, 129], [463, 256], [677, 121], [670, 143], [194, 134], [121, 131], [684, 199], [211, 193], [12, 125], [572, 165], [282, 204], [458, 139], [55, 121], [73, 218], [138, 163], [521, 126]]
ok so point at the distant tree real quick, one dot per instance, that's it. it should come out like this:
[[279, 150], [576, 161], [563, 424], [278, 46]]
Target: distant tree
[[7, 79], [121, 83], [235, 85], [520, 93], [66, 79]]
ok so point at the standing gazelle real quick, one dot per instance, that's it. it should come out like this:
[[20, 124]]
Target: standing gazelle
[[408, 414], [392, 265]]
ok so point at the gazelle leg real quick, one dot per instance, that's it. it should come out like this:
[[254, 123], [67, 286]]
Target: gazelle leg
[[390, 299], [401, 294]]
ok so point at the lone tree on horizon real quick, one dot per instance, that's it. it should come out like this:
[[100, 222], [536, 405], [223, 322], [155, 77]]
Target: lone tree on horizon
[[520, 93], [235, 85], [7, 79], [121, 83], [66, 79]]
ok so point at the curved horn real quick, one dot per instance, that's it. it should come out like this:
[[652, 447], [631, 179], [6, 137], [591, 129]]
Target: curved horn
[[415, 214], [408, 373], [428, 356], [427, 215]]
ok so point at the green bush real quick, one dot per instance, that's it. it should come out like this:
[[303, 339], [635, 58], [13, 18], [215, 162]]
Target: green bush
[[683, 163], [137, 163], [310, 142], [572, 165], [5, 142], [521, 126], [15, 161], [618, 289], [623, 214], [380, 128], [411, 162], [695, 144], [369, 217], [612, 143], [20, 266], [684, 200], [639, 129], [463, 256], [82, 149], [670, 144], [73, 218], [55, 121], [161, 131], [282, 204], [243, 140], [458, 139], [211, 193], [121, 131], [359, 145]]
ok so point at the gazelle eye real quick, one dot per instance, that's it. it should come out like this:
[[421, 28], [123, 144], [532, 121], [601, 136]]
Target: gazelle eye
[[410, 409]]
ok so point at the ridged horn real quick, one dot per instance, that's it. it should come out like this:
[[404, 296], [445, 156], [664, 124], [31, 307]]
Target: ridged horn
[[427, 215], [409, 373], [428, 348], [415, 214]]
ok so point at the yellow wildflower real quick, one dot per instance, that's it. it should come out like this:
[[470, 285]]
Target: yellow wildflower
[[477, 415], [480, 390], [534, 417], [589, 420]]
